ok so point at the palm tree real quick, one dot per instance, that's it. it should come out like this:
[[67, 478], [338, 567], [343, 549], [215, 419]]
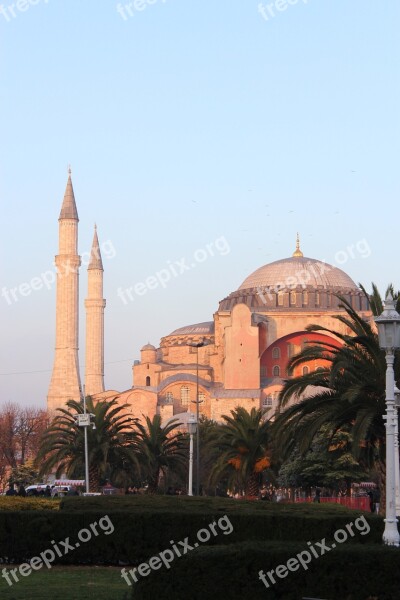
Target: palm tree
[[241, 450], [110, 448], [376, 301], [159, 449], [348, 391]]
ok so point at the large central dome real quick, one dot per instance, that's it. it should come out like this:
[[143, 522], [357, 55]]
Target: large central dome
[[295, 283], [299, 271]]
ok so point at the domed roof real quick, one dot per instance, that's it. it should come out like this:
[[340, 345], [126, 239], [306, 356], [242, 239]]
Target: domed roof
[[197, 328], [148, 347], [269, 287], [298, 271]]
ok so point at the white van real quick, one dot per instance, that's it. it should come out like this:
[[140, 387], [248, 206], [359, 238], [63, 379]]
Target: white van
[[36, 489]]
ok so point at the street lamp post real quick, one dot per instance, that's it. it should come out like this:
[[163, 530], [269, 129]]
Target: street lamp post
[[85, 420], [197, 401], [388, 324], [192, 427], [396, 449]]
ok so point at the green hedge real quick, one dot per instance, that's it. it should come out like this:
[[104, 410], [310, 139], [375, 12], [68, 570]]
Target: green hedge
[[142, 532], [15, 503], [349, 572], [194, 504]]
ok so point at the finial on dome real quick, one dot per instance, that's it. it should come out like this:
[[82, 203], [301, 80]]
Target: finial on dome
[[69, 170], [298, 252]]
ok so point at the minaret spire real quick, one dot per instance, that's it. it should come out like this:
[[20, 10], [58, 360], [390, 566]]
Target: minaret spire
[[65, 381], [95, 254], [68, 209], [95, 304], [298, 253]]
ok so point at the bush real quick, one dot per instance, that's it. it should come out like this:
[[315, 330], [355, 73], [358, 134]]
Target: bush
[[15, 503], [144, 526], [350, 572]]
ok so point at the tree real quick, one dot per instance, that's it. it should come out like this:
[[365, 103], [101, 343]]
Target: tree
[[328, 462], [25, 474], [20, 431], [110, 447], [241, 450], [159, 449], [348, 392]]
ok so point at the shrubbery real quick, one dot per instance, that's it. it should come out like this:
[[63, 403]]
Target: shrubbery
[[145, 525], [350, 572], [15, 503]]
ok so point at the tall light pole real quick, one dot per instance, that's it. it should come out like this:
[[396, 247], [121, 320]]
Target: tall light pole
[[197, 401], [388, 324], [396, 449], [192, 428], [84, 420]]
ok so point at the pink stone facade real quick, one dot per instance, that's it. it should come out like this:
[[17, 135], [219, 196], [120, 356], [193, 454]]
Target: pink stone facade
[[245, 348]]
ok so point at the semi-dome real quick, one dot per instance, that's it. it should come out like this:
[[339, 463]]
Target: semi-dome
[[197, 329]]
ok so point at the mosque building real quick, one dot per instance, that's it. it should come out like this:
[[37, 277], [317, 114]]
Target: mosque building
[[239, 358]]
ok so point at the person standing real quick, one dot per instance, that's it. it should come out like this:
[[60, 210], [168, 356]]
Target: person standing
[[376, 494], [371, 501], [11, 490], [21, 491]]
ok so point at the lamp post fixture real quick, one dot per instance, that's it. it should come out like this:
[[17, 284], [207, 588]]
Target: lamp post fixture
[[192, 428], [197, 401], [85, 420], [388, 324]]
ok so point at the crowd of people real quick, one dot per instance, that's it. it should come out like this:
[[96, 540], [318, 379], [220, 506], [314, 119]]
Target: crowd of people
[[41, 491]]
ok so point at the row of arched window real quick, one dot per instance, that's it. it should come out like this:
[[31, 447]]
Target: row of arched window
[[184, 396], [276, 371], [294, 296], [292, 349]]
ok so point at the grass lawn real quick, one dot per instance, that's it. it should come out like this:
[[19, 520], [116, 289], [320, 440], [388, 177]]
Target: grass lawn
[[68, 583]]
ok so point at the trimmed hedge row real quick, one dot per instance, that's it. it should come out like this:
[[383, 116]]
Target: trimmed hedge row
[[350, 572], [15, 503], [139, 534], [195, 504]]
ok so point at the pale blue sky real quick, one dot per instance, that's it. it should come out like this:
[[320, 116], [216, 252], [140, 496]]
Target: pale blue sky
[[186, 123]]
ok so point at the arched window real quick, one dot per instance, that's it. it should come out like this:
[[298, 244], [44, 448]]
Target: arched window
[[147, 380], [280, 298], [185, 395], [202, 396], [292, 298], [276, 371], [169, 398], [306, 370], [276, 352], [305, 298], [316, 298], [267, 401]]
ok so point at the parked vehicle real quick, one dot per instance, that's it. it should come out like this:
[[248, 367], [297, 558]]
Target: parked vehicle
[[36, 490], [59, 491]]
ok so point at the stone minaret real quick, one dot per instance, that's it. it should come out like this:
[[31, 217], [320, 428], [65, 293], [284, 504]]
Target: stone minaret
[[65, 381], [94, 371]]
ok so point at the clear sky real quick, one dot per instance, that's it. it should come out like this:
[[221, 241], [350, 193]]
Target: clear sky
[[189, 124]]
